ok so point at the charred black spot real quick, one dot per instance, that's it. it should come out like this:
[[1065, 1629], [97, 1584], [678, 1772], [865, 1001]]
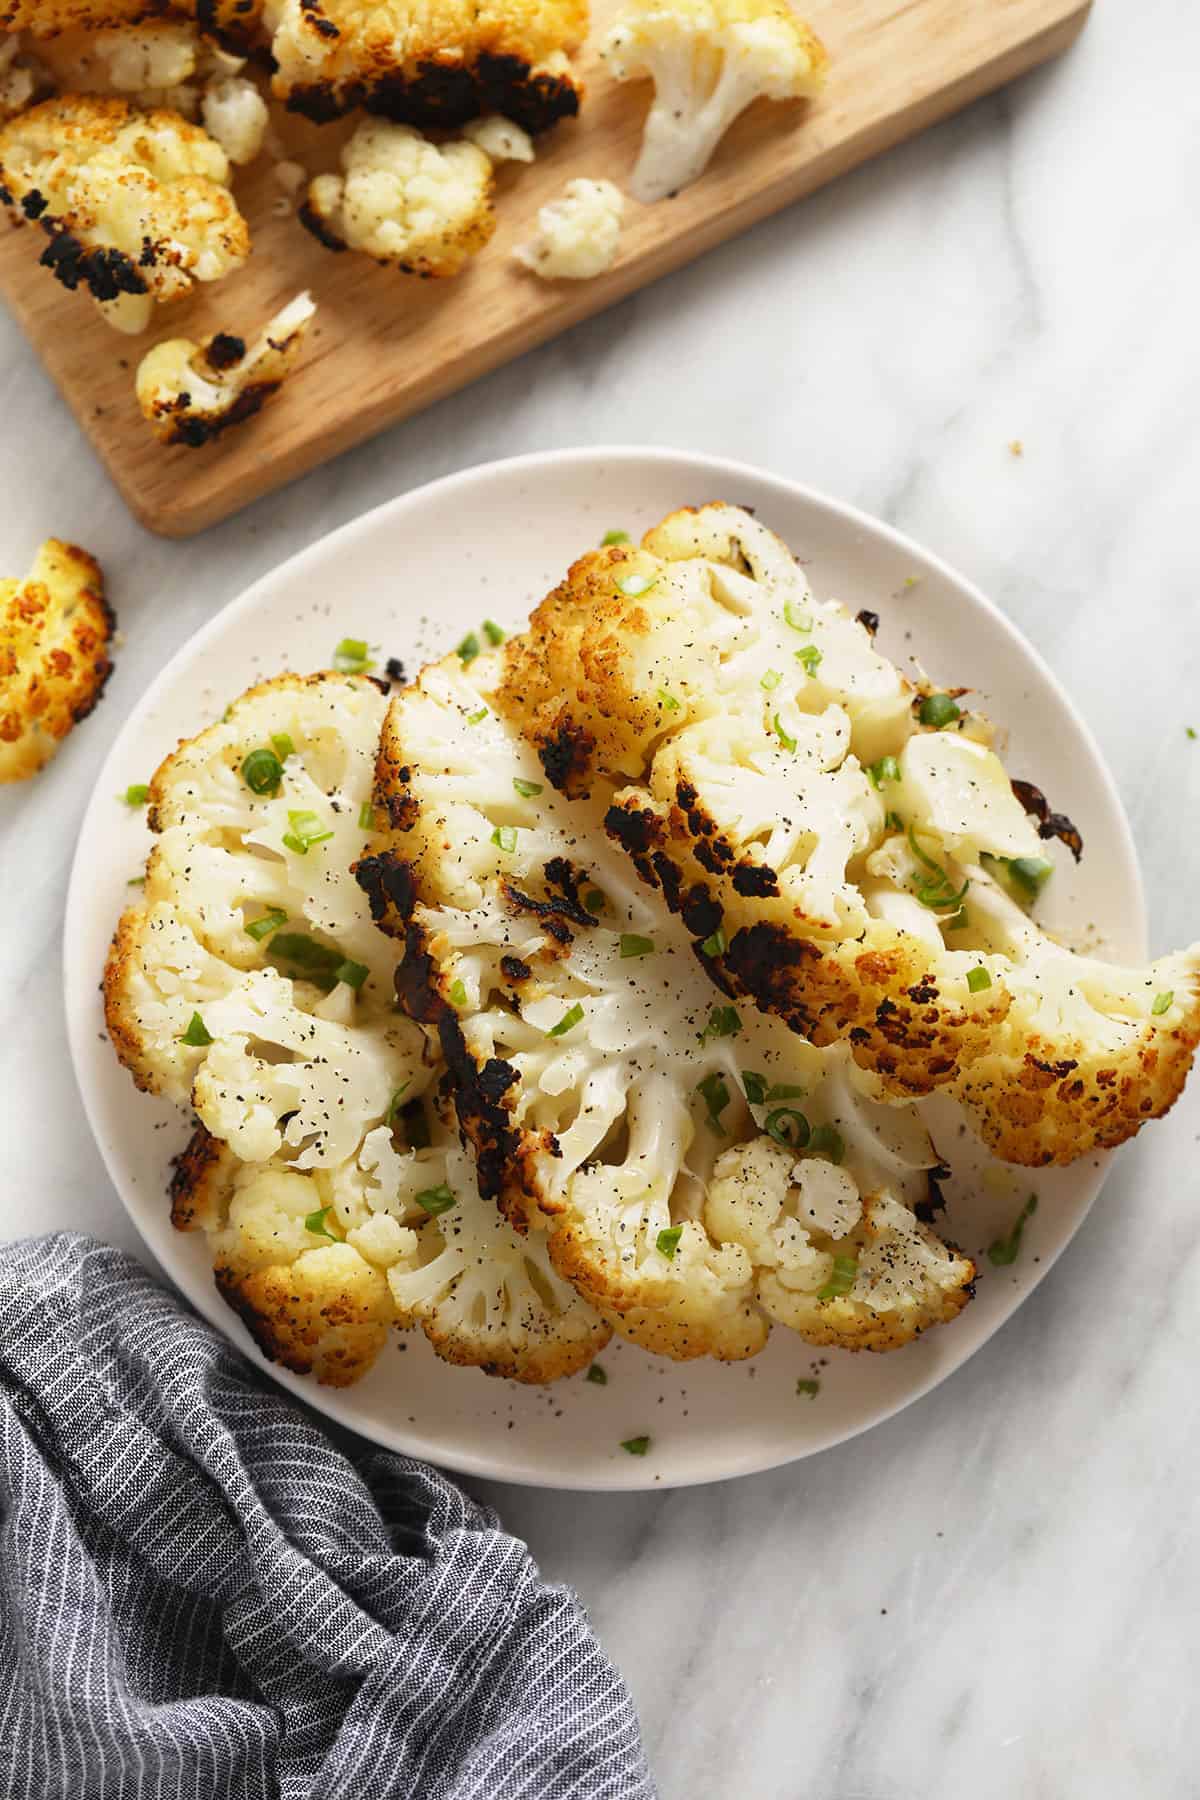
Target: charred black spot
[[394, 669], [225, 351], [567, 759], [391, 891], [636, 831], [765, 962], [105, 273], [443, 95], [1050, 824], [34, 204], [669, 878], [196, 432], [557, 908], [755, 881], [924, 993], [934, 1202], [1058, 1071], [188, 1170], [701, 913], [869, 621], [313, 222], [715, 855], [514, 969]]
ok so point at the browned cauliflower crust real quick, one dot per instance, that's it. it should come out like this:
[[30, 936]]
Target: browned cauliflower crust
[[439, 63], [135, 204], [841, 851], [232, 23], [55, 630]]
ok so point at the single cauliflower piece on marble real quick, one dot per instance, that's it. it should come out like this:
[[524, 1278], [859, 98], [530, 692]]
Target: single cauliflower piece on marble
[[425, 207], [55, 631], [499, 139], [708, 59], [135, 204], [190, 392], [248, 981], [431, 67], [577, 234]]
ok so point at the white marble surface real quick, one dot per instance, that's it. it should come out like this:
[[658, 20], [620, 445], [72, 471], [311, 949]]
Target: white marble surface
[[996, 1594]]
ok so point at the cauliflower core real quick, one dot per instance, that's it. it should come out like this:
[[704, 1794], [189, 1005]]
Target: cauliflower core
[[499, 139], [426, 207], [435, 66], [134, 203], [576, 235], [708, 59], [592, 1072], [190, 392], [823, 832], [55, 630]]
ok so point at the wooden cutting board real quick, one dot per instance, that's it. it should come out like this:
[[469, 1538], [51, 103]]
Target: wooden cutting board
[[384, 345]]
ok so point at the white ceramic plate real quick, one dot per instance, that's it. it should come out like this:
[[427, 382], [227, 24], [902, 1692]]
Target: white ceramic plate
[[412, 577]]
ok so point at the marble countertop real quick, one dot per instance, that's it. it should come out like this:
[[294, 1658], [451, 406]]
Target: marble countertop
[[995, 1594]]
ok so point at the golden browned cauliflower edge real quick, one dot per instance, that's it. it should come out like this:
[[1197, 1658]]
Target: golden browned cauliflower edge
[[55, 631]]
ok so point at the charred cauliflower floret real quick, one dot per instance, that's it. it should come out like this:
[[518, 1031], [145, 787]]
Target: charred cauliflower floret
[[708, 59], [248, 982], [230, 23], [577, 234], [425, 207], [191, 392], [55, 629], [592, 1071], [832, 838], [432, 65], [134, 203]]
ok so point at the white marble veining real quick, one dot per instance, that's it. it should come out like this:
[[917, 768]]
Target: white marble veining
[[996, 1594]]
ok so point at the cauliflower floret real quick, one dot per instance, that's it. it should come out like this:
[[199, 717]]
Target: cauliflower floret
[[235, 115], [231, 23], [426, 207], [708, 60], [55, 630], [135, 204], [249, 981], [190, 392], [577, 234], [436, 66], [499, 139], [162, 53]]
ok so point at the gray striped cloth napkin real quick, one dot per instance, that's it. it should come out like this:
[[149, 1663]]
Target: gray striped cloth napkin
[[201, 1596]]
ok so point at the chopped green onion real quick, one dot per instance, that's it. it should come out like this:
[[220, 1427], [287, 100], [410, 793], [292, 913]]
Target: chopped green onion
[[136, 794], [723, 1021], [1006, 1250], [366, 816], [788, 1127], [306, 830], [282, 745], [789, 743], [667, 701], [632, 945], [754, 1087], [353, 657], [635, 585], [978, 979], [136, 881], [614, 537], [435, 1200], [810, 1388], [390, 1116], [306, 953], [477, 718], [492, 632], [528, 790], [1162, 1003], [262, 772], [796, 617], [353, 974], [667, 1242], [715, 945], [810, 656], [937, 894], [570, 1018], [1191, 731], [258, 929], [196, 1036], [959, 922], [468, 650], [886, 769], [893, 821], [716, 1098], [315, 1222], [845, 1272], [1030, 872], [637, 1446], [770, 681], [597, 1376], [939, 710], [594, 901], [785, 1090], [458, 993], [826, 1141], [505, 838]]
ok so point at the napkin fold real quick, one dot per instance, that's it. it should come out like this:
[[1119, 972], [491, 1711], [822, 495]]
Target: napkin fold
[[200, 1594]]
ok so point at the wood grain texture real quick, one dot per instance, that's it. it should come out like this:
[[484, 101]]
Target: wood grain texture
[[384, 345]]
